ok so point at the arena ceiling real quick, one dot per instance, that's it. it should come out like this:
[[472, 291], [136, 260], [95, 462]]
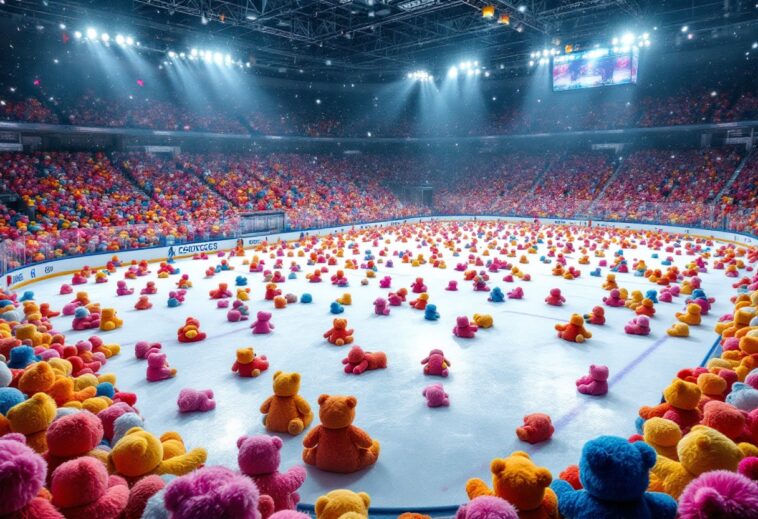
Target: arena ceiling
[[389, 36]]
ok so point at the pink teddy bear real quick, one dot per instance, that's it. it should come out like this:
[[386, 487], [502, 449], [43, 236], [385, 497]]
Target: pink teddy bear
[[436, 364], [596, 383], [436, 396], [614, 299], [143, 349], [195, 400], [640, 325], [385, 282], [464, 329], [158, 368], [259, 459], [381, 307], [516, 293], [123, 290], [555, 298], [262, 324]]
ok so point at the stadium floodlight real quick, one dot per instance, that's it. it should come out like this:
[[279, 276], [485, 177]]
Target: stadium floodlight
[[615, 41], [171, 54], [105, 37], [129, 41], [62, 26], [193, 52], [452, 72], [487, 74], [218, 58], [182, 55], [627, 39], [755, 45], [420, 75], [78, 35], [91, 33], [120, 39], [522, 8], [685, 28], [531, 63]]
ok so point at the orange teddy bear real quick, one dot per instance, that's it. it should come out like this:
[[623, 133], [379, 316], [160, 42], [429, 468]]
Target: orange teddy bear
[[339, 334], [190, 332], [574, 330], [285, 410], [691, 316], [336, 445]]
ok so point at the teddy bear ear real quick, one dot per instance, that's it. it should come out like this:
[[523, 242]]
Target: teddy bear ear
[[241, 440], [276, 374], [276, 442], [295, 377], [322, 399], [365, 497], [321, 504], [522, 454], [351, 402], [647, 453], [544, 477], [497, 466]]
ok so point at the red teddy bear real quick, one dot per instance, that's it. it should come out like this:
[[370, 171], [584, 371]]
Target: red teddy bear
[[358, 361], [339, 334]]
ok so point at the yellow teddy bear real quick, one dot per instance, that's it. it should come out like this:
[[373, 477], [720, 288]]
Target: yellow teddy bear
[[31, 418], [109, 320], [344, 504], [139, 453], [483, 320]]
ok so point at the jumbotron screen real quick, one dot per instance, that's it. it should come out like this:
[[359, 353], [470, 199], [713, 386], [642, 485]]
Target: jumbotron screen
[[595, 68]]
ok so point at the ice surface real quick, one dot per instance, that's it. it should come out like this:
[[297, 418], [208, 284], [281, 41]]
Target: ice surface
[[516, 368]]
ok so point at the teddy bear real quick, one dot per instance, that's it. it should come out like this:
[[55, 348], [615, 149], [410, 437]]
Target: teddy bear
[[358, 361], [680, 405], [597, 316], [344, 504], [520, 482], [222, 292], [272, 291], [109, 320], [743, 397], [81, 488], [158, 368], [190, 332], [72, 436], [285, 410], [555, 298], [483, 321], [420, 302], [614, 299], [143, 349], [431, 313], [336, 445], [727, 419], [262, 324], [701, 450], [29, 334], [435, 396], [516, 293], [418, 286], [486, 507], [496, 295], [214, 492], [21, 356], [248, 364], [435, 364], [381, 307], [150, 289], [663, 435], [537, 428], [574, 330], [122, 289], [678, 330], [339, 334], [639, 325], [719, 494], [32, 417], [139, 453], [23, 474], [259, 459], [465, 329], [615, 475], [191, 400], [691, 315]]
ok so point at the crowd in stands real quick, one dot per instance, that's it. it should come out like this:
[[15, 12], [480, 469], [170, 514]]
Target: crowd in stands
[[29, 110]]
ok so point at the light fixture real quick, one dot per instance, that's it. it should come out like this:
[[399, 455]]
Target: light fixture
[[62, 26], [452, 72], [193, 52], [130, 41], [685, 28], [120, 39], [522, 8], [488, 11], [77, 35], [105, 37], [91, 33], [171, 54]]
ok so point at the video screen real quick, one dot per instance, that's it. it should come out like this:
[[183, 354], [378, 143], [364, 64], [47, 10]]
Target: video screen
[[595, 68]]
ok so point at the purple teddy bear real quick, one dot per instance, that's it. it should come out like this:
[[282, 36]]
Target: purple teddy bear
[[195, 400], [262, 324], [259, 459], [436, 396], [381, 307], [596, 383]]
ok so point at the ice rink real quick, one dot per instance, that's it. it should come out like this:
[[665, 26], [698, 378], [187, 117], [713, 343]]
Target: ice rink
[[517, 367]]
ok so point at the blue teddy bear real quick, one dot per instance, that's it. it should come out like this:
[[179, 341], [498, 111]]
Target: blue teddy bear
[[615, 477], [9, 396], [306, 298], [336, 308], [742, 396], [21, 357], [596, 273], [27, 296], [240, 281], [496, 295], [652, 295], [431, 313]]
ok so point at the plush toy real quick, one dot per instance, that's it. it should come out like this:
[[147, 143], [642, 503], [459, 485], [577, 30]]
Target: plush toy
[[248, 364], [743, 397], [72, 436], [691, 315], [191, 400], [719, 494], [262, 324], [418, 286], [678, 330], [122, 289], [614, 299], [343, 504], [385, 282], [452, 286], [21, 357], [215, 492], [614, 474], [259, 459], [420, 302], [537, 428], [486, 507], [645, 308], [149, 289], [271, 292], [143, 303], [158, 368], [32, 417], [663, 435], [596, 383], [140, 494], [335, 308], [358, 361], [638, 326], [339, 334], [143, 349], [285, 410], [139, 453], [23, 475], [221, 292], [496, 295], [555, 298], [597, 316], [81, 488], [680, 405], [431, 313], [190, 332], [85, 320], [381, 307], [435, 364], [701, 450], [520, 482], [465, 329], [109, 320], [435, 396], [574, 330], [634, 301], [516, 293], [336, 445]]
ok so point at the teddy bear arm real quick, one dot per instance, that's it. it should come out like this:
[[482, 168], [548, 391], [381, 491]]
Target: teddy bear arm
[[266, 405], [664, 469], [360, 438], [477, 488], [659, 410], [236, 367], [662, 506], [328, 334], [302, 406], [184, 464], [311, 439], [361, 367], [293, 478]]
